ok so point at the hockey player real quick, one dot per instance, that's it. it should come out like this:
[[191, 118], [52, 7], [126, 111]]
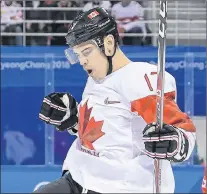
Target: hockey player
[[115, 121]]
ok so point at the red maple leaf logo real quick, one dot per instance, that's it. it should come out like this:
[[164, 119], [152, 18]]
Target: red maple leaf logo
[[89, 130]]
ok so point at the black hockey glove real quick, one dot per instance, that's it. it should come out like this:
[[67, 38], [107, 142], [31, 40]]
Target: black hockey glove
[[60, 110], [169, 143]]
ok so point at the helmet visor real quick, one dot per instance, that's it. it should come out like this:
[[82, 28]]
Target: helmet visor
[[71, 56], [74, 58]]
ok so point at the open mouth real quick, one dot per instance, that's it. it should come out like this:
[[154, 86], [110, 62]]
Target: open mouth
[[89, 71]]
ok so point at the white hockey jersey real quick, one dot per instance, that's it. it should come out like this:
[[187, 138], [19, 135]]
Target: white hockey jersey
[[107, 156]]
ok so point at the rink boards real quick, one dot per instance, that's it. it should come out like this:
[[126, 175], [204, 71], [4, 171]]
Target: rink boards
[[25, 179]]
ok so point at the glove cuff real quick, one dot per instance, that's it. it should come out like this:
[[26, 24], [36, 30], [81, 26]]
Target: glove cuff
[[72, 131], [183, 147], [68, 124]]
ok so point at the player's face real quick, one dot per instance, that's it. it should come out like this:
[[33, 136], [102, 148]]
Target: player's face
[[92, 60]]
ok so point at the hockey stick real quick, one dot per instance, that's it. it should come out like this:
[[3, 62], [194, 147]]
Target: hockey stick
[[160, 84]]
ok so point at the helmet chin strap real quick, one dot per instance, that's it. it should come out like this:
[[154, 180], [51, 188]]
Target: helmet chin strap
[[99, 42], [109, 58]]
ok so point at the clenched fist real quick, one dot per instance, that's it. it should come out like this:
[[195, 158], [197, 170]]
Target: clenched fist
[[60, 110]]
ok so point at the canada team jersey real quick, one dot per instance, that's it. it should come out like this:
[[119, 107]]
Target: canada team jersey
[[107, 156]]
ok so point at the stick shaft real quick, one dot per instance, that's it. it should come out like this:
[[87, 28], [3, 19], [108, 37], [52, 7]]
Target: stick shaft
[[160, 83]]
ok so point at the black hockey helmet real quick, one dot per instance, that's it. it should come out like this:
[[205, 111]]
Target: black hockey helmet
[[94, 24]]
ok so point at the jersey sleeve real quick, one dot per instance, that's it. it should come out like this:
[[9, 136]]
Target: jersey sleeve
[[140, 90]]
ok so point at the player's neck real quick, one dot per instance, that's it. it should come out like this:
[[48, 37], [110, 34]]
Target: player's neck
[[119, 60]]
